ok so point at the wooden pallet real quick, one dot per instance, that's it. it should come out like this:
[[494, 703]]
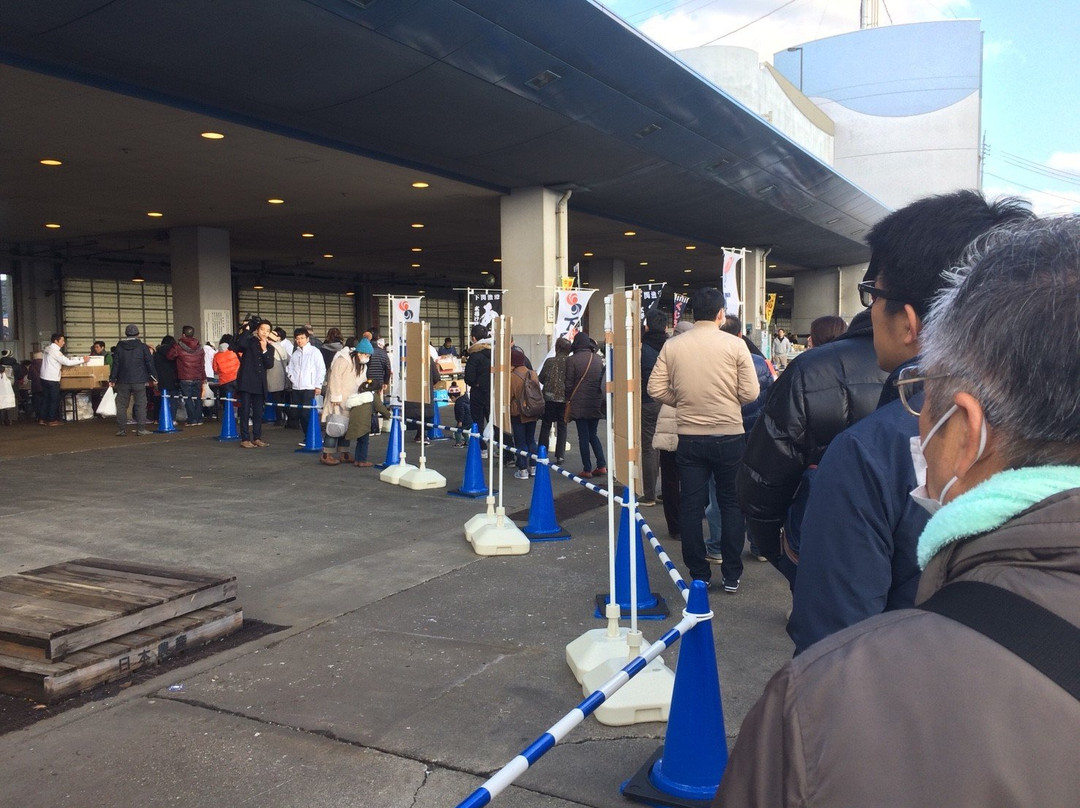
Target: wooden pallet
[[118, 658], [49, 613]]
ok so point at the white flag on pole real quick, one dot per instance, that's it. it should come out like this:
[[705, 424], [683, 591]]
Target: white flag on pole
[[731, 285]]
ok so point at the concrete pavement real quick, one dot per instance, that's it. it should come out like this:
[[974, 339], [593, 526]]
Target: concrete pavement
[[411, 669]]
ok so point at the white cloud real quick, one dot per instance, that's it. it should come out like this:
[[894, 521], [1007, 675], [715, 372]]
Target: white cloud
[[997, 48], [800, 22], [1044, 203], [1065, 161]]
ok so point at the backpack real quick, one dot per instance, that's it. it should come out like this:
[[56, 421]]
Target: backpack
[[531, 403]]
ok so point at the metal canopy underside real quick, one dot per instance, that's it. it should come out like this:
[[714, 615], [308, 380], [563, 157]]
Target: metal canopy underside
[[439, 87]]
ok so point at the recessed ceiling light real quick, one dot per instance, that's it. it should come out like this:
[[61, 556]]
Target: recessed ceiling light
[[772, 266], [53, 226], [484, 272], [497, 260], [212, 135], [154, 214], [421, 184], [652, 280], [138, 278], [307, 235], [258, 284], [50, 162], [630, 233], [415, 266], [833, 221], [350, 293], [543, 79], [688, 270], [686, 284], [691, 247], [643, 263], [276, 201], [419, 291], [417, 225], [417, 249], [327, 255], [588, 254]]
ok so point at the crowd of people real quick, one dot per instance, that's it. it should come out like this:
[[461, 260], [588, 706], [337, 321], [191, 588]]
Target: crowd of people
[[914, 476]]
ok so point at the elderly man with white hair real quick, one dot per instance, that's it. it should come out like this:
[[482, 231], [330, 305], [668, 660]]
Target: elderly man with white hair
[[973, 697]]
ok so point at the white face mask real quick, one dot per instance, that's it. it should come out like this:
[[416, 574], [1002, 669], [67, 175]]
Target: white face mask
[[920, 494], [364, 358]]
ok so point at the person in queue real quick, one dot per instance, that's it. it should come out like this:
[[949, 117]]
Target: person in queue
[[915, 707], [132, 369]]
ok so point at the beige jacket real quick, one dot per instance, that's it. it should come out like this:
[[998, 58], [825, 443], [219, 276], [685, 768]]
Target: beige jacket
[[666, 435], [910, 708], [341, 382], [707, 375]]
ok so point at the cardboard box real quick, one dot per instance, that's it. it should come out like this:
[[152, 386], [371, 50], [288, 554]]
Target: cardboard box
[[83, 377]]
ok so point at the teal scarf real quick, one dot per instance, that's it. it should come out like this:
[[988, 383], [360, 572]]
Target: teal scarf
[[992, 503]]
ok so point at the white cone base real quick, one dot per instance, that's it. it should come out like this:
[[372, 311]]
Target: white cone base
[[594, 648], [393, 474], [501, 537], [474, 523], [422, 479], [646, 697]]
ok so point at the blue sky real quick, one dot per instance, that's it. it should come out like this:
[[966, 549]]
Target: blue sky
[[1030, 119]]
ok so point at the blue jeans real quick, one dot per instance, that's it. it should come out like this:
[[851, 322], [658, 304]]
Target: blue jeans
[[702, 458], [191, 391], [586, 437], [524, 438]]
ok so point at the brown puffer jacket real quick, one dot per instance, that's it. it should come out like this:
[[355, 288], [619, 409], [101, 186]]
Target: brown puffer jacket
[[190, 359], [587, 398], [910, 708]]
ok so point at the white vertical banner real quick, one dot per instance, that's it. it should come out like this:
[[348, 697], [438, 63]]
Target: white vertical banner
[[571, 309], [732, 258], [402, 310]]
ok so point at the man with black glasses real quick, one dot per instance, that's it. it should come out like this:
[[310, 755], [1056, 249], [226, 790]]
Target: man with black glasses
[[859, 528]]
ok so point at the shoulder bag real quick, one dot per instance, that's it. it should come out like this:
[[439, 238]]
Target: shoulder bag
[[569, 398]]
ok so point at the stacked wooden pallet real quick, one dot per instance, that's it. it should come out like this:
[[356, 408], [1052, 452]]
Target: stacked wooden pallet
[[67, 627]]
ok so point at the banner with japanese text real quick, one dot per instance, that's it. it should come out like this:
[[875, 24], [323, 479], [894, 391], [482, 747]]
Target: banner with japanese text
[[732, 258]]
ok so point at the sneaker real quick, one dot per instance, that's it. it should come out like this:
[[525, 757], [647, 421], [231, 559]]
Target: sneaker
[[121, 433], [756, 553], [558, 460], [302, 444], [246, 444], [142, 432], [522, 474], [260, 443], [647, 503], [731, 585], [195, 423], [713, 558]]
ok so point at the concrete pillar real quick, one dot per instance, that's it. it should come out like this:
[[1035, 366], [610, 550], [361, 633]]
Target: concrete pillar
[[753, 292], [202, 281], [817, 293], [534, 257], [850, 278], [606, 276]]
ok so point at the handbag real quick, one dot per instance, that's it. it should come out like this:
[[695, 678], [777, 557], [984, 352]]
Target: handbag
[[337, 425], [106, 408], [566, 409]]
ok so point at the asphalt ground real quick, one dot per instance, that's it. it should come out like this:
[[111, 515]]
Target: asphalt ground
[[408, 668]]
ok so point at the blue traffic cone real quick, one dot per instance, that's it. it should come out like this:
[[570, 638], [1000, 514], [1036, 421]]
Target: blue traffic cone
[[542, 525], [269, 411], [165, 419], [313, 438], [228, 419], [393, 446], [650, 606], [686, 771], [435, 432], [473, 486]]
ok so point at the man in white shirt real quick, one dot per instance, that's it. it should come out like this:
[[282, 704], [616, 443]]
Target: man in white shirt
[[51, 363], [306, 371]]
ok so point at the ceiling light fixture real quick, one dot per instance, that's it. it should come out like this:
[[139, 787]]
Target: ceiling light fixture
[[833, 221], [421, 184], [138, 278], [53, 226], [276, 201], [630, 233], [543, 79], [771, 266], [648, 130], [50, 162], [327, 255], [350, 292], [258, 284], [417, 225], [690, 247], [484, 272], [415, 266], [307, 235], [154, 214], [643, 263], [688, 270], [588, 254], [212, 135], [496, 260]]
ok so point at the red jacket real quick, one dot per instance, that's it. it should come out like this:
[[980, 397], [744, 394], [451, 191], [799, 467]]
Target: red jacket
[[190, 360]]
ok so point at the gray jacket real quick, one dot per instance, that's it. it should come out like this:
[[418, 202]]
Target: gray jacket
[[910, 708]]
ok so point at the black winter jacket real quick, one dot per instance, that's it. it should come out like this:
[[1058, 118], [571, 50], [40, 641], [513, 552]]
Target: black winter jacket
[[132, 363], [588, 401], [251, 378], [820, 394]]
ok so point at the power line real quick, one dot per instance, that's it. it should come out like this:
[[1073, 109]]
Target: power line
[[1071, 200], [747, 25]]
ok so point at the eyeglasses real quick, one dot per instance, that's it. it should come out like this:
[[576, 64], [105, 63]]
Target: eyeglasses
[[868, 293], [906, 385]]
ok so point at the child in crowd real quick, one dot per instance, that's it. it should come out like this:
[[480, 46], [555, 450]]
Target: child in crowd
[[462, 413]]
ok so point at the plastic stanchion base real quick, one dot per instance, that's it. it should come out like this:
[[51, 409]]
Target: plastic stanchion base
[[644, 699], [422, 479], [393, 474], [595, 647]]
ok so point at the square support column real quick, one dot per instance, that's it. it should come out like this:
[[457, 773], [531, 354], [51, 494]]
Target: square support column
[[202, 281]]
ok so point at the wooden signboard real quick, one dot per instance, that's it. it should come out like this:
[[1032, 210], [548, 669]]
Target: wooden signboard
[[418, 362], [624, 380]]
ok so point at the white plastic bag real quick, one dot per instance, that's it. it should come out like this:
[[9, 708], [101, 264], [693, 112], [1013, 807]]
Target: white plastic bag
[[107, 407], [208, 398]]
